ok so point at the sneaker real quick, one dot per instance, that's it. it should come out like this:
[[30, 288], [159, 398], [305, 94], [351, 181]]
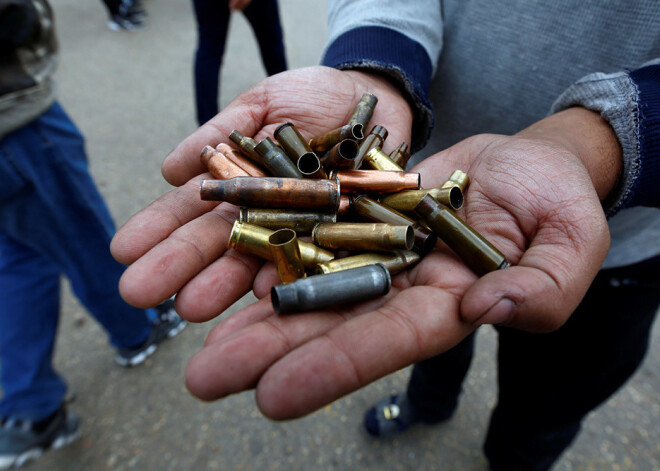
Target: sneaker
[[125, 22], [132, 8], [395, 414], [22, 441], [168, 324]]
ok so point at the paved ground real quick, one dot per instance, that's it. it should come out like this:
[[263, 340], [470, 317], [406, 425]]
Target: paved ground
[[131, 95]]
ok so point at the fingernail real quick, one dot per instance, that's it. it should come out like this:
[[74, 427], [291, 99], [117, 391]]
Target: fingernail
[[498, 313]]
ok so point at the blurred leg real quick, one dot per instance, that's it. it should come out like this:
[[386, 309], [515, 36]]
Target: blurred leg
[[212, 25], [549, 382], [435, 384], [29, 312], [264, 17], [60, 214]]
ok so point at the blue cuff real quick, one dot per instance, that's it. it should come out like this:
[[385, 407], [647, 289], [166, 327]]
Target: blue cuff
[[386, 51], [646, 191]]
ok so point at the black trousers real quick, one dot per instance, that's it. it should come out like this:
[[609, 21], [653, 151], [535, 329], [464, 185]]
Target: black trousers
[[212, 25], [549, 382]]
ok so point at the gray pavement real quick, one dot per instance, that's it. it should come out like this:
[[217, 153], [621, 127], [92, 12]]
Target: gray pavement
[[131, 95]]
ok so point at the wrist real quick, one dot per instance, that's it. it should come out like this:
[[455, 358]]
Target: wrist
[[589, 137]]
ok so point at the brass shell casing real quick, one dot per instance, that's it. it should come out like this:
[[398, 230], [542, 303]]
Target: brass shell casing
[[299, 151], [400, 155], [376, 181], [219, 165], [276, 160], [379, 160], [329, 140], [395, 262], [285, 251], [300, 221], [457, 178], [251, 168], [252, 239], [374, 139], [266, 192], [341, 155], [246, 144], [363, 236], [363, 110], [372, 210], [477, 253], [309, 165], [405, 201]]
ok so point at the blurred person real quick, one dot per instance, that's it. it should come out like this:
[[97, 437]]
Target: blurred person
[[212, 26], [125, 15], [53, 221]]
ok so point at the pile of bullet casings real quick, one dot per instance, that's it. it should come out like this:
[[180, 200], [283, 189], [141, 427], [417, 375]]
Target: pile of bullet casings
[[367, 217]]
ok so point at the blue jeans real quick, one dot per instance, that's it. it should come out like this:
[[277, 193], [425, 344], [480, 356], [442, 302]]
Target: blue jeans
[[53, 221], [212, 25], [549, 382]]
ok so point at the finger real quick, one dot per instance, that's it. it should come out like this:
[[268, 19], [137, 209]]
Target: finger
[[541, 292], [217, 286], [158, 220], [170, 264], [360, 351]]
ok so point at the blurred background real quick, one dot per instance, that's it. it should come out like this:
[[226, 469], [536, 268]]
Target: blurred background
[[131, 94]]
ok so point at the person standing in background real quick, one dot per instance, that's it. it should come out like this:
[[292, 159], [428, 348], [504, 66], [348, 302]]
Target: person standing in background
[[212, 25], [53, 221]]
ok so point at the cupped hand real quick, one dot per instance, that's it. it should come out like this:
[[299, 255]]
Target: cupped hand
[[178, 243], [533, 198]]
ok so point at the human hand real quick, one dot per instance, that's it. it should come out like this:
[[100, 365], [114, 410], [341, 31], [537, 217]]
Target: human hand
[[530, 195], [178, 243]]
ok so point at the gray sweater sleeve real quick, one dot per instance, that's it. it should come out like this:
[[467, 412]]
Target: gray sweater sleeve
[[616, 97]]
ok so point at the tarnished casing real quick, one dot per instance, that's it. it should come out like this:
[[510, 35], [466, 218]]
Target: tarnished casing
[[260, 192], [477, 253], [363, 110], [253, 239], [329, 140], [363, 236], [300, 221], [374, 139], [395, 262], [400, 155], [250, 168], [320, 291], [276, 160], [219, 165], [375, 181], [246, 144], [341, 155], [405, 201], [372, 210], [457, 178]]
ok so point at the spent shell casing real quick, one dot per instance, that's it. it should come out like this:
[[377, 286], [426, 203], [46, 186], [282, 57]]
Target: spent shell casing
[[477, 253], [329, 140], [276, 160], [457, 178], [375, 181], [269, 192], [395, 262], [405, 201], [319, 291], [363, 110], [247, 145], [300, 221], [250, 167], [285, 251], [341, 155], [375, 138], [401, 155], [372, 210], [310, 166], [251, 239], [376, 237], [345, 206], [219, 165], [379, 160]]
